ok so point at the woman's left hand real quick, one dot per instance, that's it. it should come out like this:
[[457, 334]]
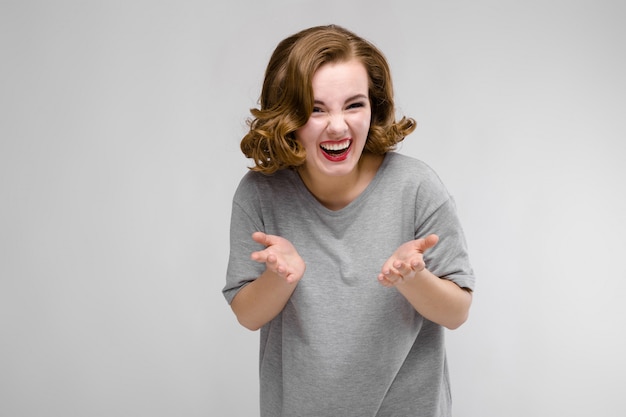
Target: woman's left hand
[[406, 261]]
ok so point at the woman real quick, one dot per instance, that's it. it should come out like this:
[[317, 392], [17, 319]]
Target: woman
[[347, 255]]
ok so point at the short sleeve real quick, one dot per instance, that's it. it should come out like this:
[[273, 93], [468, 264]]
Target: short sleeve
[[449, 258], [245, 220]]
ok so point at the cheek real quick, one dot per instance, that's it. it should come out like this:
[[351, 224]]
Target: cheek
[[363, 123], [308, 133]]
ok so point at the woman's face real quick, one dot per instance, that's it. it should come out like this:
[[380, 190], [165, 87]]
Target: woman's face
[[335, 134]]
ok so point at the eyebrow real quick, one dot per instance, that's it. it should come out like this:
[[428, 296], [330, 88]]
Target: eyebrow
[[352, 98]]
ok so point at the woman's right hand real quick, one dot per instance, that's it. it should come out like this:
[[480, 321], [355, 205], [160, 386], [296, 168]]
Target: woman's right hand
[[279, 256]]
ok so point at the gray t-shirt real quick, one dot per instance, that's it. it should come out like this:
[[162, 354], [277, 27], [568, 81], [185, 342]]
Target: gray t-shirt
[[344, 345]]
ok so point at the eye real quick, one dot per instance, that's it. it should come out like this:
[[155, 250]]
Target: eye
[[356, 105], [317, 110]]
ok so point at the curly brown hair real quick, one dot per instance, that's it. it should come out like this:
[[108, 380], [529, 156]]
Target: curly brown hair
[[286, 100]]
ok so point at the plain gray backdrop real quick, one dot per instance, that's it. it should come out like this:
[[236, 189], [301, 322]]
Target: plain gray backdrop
[[119, 155]]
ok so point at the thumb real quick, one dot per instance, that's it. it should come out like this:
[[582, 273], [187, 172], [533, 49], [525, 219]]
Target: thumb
[[262, 238], [430, 241]]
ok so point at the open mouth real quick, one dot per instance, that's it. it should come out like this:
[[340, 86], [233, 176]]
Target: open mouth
[[336, 150]]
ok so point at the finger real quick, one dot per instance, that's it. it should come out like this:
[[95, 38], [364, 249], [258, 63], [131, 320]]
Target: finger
[[392, 276], [259, 256], [430, 241], [387, 268], [382, 279], [287, 275], [418, 265], [401, 268], [262, 238], [264, 256], [290, 278]]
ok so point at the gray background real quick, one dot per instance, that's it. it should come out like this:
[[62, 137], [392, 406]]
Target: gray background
[[120, 127]]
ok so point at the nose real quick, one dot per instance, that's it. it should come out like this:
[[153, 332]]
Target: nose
[[337, 124]]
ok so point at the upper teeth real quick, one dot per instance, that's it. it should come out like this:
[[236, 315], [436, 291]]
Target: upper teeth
[[336, 146]]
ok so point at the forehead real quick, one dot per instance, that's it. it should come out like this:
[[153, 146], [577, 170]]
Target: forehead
[[341, 77]]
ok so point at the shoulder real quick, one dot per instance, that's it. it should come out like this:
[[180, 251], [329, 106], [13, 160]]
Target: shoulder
[[254, 183], [415, 181], [258, 179], [401, 167]]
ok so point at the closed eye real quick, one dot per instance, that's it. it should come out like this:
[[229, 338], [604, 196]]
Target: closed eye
[[356, 105]]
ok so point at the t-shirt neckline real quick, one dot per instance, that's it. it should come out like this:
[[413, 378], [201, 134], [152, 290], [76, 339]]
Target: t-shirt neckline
[[303, 190]]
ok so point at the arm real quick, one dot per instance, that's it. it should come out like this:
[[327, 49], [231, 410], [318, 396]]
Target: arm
[[264, 298], [438, 300]]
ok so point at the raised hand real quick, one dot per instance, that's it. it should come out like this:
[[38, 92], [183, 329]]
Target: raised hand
[[406, 261], [279, 256]]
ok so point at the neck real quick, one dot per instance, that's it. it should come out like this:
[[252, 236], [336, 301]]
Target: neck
[[336, 193]]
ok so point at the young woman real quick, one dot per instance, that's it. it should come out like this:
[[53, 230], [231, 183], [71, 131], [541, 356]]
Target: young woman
[[347, 255]]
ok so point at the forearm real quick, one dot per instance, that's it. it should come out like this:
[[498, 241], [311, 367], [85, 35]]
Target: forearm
[[263, 299], [439, 300]]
